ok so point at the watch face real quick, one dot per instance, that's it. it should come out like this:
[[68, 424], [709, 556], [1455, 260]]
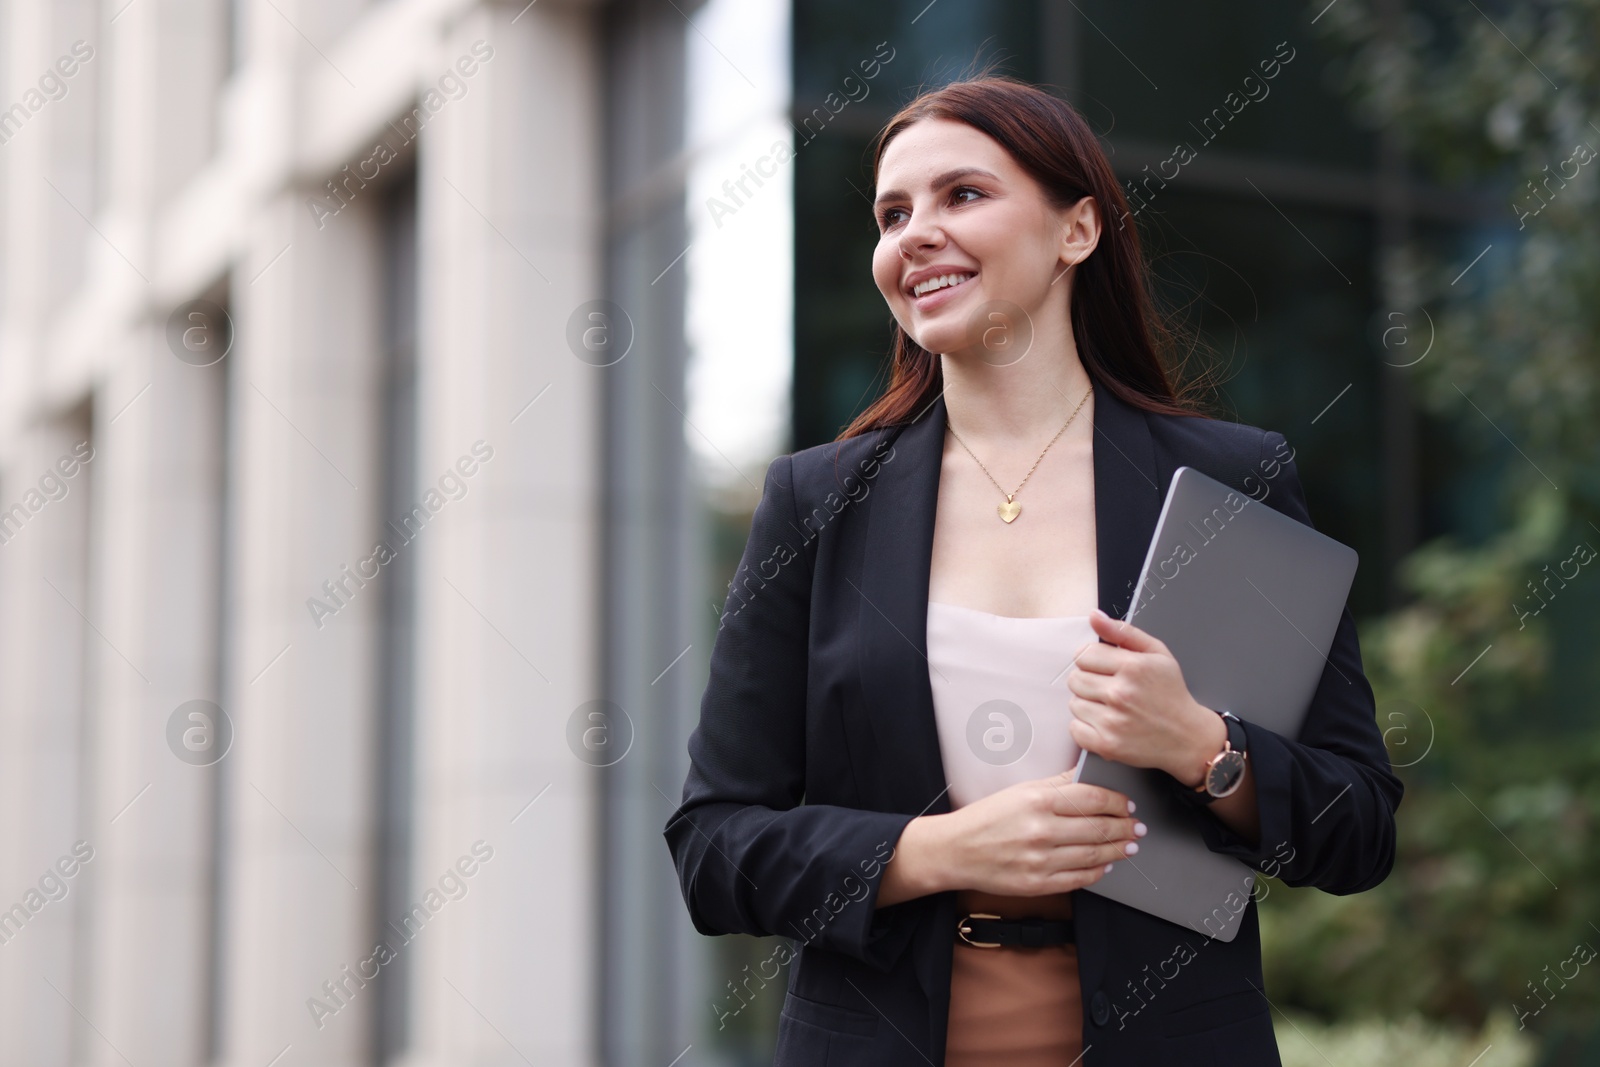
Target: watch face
[[1225, 774]]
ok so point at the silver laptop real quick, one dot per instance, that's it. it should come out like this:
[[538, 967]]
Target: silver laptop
[[1248, 600]]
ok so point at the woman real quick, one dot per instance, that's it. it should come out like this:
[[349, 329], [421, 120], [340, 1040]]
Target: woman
[[857, 782]]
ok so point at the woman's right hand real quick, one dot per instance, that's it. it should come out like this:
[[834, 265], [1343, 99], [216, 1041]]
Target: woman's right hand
[[1032, 839], [1047, 835]]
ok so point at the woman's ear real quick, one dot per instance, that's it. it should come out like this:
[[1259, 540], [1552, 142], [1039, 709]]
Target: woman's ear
[[1080, 231]]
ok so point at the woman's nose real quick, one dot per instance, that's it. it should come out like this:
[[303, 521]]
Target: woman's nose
[[921, 232]]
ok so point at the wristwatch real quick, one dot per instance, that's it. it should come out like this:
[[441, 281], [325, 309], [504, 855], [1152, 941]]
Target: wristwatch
[[1225, 770]]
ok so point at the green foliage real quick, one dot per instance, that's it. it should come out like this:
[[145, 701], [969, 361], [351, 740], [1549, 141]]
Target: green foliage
[[1497, 880], [1303, 1042], [1507, 100]]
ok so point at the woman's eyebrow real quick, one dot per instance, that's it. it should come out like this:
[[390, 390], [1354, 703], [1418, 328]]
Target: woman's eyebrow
[[940, 182]]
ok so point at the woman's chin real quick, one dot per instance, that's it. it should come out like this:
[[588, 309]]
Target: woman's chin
[[961, 328], [943, 340]]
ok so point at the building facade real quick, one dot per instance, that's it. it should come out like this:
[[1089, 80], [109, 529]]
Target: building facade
[[302, 530]]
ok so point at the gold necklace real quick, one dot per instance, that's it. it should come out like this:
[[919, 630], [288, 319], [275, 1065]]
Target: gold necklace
[[1011, 509]]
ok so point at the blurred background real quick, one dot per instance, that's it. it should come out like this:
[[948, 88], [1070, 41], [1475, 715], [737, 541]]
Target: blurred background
[[385, 389]]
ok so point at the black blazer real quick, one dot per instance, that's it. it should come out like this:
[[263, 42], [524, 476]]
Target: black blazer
[[817, 745]]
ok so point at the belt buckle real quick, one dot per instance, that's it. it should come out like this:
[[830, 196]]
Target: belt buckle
[[962, 929]]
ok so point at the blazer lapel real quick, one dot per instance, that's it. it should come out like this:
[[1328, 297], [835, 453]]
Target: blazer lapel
[[892, 623], [1128, 493]]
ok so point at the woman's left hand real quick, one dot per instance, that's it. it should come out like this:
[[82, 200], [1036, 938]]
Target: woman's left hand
[[1131, 704]]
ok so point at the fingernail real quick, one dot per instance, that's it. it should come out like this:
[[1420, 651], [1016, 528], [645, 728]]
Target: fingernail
[[1130, 807], [1140, 829], [1108, 868], [1133, 846]]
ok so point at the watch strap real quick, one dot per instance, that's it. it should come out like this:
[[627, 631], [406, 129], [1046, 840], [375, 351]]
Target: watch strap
[[1238, 741]]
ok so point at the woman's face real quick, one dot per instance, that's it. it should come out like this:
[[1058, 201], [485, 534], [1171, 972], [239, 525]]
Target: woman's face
[[960, 226]]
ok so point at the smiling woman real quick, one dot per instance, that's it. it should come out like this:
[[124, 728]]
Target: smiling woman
[[1042, 159], [934, 656]]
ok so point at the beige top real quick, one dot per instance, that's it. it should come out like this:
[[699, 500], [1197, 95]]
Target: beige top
[[1001, 705], [1000, 696]]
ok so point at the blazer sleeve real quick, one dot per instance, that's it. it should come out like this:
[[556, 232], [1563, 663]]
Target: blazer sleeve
[[750, 857], [1327, 797]]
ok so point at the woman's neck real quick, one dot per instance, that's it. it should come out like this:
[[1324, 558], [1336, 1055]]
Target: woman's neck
[[1021, 404]]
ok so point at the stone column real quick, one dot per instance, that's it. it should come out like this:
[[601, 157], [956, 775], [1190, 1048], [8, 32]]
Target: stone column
[[508, 591]]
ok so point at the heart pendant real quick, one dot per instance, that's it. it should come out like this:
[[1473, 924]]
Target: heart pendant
[[1009, 511]]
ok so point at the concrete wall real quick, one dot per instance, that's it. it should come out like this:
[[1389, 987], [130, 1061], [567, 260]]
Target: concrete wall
[[179, 562]]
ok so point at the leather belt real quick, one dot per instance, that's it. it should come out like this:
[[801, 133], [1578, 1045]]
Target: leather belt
[[991, 931]]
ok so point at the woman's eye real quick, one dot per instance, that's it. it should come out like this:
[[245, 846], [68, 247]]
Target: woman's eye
[[890, 216]]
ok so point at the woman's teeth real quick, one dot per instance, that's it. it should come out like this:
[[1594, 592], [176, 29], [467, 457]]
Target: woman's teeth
[[943, 280]]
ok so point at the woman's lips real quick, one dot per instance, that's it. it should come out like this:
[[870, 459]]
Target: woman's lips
[[929, 301]]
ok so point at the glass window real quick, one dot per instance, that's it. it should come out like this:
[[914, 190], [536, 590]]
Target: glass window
[[396, 683]]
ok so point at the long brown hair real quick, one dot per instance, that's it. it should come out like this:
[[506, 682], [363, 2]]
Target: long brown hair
[[1122, 339]]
